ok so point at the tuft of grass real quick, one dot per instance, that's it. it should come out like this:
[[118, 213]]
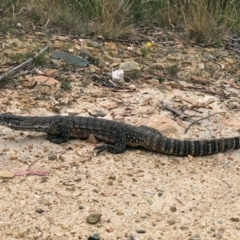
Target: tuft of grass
[[160, 79], [21, 57], [112, 18], [40, 59], [173, 70], [208, 21], [66, 85], [144, 50]]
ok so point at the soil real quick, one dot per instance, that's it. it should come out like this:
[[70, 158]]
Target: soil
[[139, 194]]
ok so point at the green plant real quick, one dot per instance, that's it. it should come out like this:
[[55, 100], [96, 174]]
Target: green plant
[[160, 79], [21, 57], [144, 50], [36, 17], [66, 85], [173, 70], [40, 59]]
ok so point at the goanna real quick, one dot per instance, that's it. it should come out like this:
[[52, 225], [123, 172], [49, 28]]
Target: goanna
[[116, 135]]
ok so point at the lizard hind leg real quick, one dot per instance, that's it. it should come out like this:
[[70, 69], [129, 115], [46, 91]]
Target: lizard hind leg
[[58, 133], [118, 146]]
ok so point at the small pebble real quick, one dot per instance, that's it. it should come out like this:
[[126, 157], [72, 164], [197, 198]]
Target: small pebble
[[13, 157], [6, 174], [44, 179], [61, 158], [183, 227], [72, 189], [52, 157], [173, 208], [110, 183], [112, 177], [160, 194], [39, 210], [95, 236], [234, 219], [119, 213], [141, 231], [171, 222], [80, 207], [93, 218], [78, 179], [149, 192], [132, 237], [150, 201], [109, 229]]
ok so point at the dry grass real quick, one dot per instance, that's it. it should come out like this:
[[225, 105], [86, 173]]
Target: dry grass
[[112, 18], [207, 21], [43, 13]]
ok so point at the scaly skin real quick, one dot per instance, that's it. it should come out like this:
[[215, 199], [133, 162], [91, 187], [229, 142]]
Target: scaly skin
[[116, 135]]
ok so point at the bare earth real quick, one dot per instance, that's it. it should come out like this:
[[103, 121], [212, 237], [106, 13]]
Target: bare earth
[[166, 196]]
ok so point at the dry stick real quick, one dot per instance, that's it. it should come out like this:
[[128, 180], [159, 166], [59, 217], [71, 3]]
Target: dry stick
[[181, 114], [200, 120], [13, 70], [201, 89]]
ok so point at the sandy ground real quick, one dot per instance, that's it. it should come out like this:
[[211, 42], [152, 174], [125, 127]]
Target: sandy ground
[[140, 195], [166, 196]]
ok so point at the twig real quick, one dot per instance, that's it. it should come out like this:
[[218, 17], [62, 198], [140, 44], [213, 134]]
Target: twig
[[179, 113], [200, 120], [13, 70], [53, 99], [201, 89], [39, 231], [104, 81]]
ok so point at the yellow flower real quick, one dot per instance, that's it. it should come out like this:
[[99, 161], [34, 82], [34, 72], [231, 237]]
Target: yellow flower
[[148, 44]]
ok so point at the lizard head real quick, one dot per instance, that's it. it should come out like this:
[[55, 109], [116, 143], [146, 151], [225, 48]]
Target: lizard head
[[25, 123], [16, 122], [8, 119]]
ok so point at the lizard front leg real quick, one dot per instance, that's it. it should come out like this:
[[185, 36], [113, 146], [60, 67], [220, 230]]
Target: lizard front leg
[[58, 132]]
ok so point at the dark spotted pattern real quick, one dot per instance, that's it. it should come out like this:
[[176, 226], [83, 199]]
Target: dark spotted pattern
[[116, 135]]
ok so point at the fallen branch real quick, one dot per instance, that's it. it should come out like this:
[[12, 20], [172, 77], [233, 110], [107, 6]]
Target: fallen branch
[[200, 120], [13, 70]]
